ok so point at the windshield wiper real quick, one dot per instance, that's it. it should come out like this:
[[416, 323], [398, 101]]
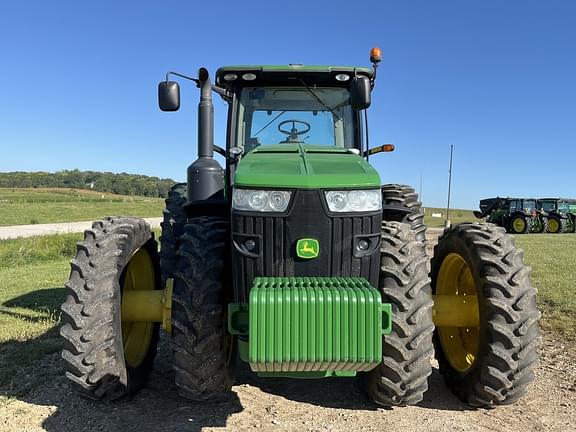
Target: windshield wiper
[[320, 101], [269, 123]]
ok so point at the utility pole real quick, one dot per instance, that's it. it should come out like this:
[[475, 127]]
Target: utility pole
[[420, 192], [447, 223]]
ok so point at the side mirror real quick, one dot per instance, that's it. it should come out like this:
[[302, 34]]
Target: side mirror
[[169, 96], [360, 92]]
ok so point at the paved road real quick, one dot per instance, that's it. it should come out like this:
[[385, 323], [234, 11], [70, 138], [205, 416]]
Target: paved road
[[15, 231]]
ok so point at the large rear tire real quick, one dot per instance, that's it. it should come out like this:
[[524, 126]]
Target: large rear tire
[[488, 363], [553, 224], [519, 224], [202, 347], [106, 358], [402, 377], [172, 228]]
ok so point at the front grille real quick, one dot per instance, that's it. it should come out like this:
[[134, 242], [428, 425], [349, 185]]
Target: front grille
[[275, 238]]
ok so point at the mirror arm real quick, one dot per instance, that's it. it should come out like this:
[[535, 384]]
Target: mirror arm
[[222, 92], [219, 150], [226, 95], [197, 81]]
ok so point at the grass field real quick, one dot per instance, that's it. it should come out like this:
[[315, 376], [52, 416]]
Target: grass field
[[33, 206], [553, 261], [32, 274], [456, 216], [33, 271]]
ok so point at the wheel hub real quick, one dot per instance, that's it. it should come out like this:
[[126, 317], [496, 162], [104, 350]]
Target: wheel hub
[[460, 344], [136, 335]]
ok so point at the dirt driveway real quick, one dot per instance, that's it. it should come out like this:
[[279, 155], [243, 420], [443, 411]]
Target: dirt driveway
[[15, 231], [295, 405]]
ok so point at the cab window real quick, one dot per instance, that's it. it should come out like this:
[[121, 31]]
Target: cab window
[[294, 115]]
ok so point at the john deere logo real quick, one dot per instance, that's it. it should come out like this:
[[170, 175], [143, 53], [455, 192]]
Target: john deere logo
[[307, 248]]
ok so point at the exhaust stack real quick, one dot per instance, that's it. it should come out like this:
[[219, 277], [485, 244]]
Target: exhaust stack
[[205, 175]]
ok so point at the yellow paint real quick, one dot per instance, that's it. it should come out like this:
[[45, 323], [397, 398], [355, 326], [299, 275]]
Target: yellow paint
[[455, 311], [149, 306], [167, 306], [307, 249], [142, 306], [136, 335], [553, 226], [519, 225], [459, 331]]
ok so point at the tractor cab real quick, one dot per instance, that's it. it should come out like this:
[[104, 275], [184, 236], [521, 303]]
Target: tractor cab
[[295, 104]]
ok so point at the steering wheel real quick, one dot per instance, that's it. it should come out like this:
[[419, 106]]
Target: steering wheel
[[293, 133]]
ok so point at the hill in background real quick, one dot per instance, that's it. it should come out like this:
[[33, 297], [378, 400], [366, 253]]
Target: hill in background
[[117, 183]]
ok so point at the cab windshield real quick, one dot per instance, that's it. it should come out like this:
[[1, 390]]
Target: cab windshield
[[294, 115], [548, 206]]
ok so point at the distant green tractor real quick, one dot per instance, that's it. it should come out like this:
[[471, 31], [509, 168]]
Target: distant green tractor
[[297, 260], [559, 215], [516, 215]]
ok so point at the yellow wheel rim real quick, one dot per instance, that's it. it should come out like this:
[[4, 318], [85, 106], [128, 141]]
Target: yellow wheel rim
[[460, 344], [519, 225], [553, 225], [136, 336]]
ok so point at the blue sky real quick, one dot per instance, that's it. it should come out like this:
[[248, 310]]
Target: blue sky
[[496, 79]]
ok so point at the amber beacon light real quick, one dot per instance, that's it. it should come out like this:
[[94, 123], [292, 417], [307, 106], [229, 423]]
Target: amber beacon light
[[375, 55]]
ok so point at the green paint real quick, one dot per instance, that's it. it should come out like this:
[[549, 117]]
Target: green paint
[[308, 324], [305, 166], [243, 350], [307, 375], [238, 319], [307, 248]]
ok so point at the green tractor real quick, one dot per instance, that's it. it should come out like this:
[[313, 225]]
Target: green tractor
[[559, 215], [297, 260], [516, 215]]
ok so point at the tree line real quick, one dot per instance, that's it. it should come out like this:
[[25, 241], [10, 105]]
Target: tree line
[[118, 183]]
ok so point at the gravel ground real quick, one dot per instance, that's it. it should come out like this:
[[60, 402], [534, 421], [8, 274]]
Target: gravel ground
[[15, 231], [296, 405]]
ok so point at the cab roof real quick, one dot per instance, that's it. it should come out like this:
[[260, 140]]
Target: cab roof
[[286, 74]]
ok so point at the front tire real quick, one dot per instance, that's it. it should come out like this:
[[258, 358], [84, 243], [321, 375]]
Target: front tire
[[537, 224], [489, 363], [106, 358], [402, 377], [202, 347]]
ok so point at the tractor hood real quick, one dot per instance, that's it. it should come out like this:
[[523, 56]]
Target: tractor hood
[[305, 166]]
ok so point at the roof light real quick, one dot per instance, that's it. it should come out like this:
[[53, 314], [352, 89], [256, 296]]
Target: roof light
[[375, 55], [249, 77], [230, 77], [342, 77]]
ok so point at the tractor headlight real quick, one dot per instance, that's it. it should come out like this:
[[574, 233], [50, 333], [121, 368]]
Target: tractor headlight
[[354, 200], [260, 200]]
